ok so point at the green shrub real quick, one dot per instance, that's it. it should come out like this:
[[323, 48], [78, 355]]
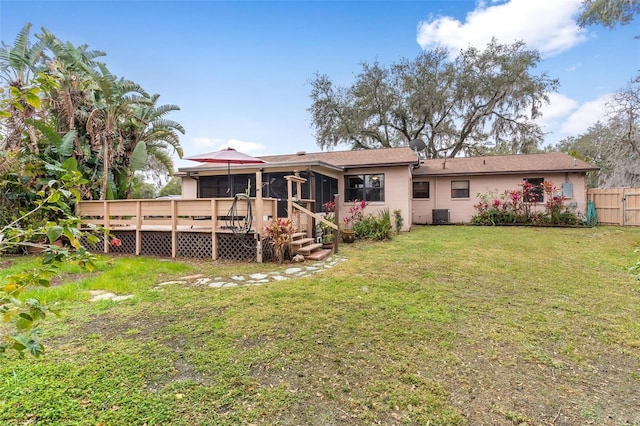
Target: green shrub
[[374, 226], [398, 220]]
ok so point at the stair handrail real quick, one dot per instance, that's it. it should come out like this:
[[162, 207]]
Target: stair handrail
[[315, 216]]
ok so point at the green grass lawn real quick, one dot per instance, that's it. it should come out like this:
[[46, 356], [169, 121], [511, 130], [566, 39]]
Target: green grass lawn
[[441, 326]]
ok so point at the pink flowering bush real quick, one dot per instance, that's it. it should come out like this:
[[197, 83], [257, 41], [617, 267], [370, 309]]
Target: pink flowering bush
[[355, 214], [520, 206]]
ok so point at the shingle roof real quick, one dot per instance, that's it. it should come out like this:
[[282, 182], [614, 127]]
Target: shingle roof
[[359, 158], [505, 164]]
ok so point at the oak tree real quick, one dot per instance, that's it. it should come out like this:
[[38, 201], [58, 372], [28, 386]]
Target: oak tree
[[478, 102]]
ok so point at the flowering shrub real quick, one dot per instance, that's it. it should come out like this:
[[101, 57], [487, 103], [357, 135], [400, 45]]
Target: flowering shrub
[[355, 215], [277, 236], [329, 207], [520, 207]]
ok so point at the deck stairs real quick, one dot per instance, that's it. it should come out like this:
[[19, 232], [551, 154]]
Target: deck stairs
[[306, 246]]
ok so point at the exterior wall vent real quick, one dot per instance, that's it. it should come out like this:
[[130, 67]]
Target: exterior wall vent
[[440, 216]]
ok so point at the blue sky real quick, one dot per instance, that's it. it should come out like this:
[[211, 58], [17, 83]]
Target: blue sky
[[239, 70]]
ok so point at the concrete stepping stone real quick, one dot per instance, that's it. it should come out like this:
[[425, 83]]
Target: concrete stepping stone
[[121, 298], [172, 282], [238, 278], [192, 277], [97, 295], [258, 276], [202, 281], [292, 271]]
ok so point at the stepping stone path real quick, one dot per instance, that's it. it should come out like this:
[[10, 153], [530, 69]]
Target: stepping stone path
[[97, 295], [200, 280], [257, 278]]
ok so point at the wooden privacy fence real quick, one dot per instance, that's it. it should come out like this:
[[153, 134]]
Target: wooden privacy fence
[[616, 206], [211, 227]]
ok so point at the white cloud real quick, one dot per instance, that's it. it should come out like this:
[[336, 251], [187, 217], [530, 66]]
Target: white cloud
[[585, 116], [246, 147], [565, 117], [204, 144], [546, 25], [200, 145], [559, 107]]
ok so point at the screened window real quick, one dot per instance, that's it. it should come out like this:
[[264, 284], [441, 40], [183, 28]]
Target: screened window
[[421, 189], [218, 186], [537, 191], [364, 187], [459, 189]]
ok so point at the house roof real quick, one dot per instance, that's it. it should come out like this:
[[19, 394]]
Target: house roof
[[385, 157], [346, 159], [336, 160], [504, 164]]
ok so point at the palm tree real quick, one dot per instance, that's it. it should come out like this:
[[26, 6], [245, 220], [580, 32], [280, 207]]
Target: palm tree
[[75, 71], [18, 66], [114, 103], [149, 134]]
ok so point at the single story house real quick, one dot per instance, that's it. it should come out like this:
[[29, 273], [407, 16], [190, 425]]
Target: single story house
[[424, 191]]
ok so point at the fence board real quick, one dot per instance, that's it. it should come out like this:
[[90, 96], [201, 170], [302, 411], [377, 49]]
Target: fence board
[[617, 206]]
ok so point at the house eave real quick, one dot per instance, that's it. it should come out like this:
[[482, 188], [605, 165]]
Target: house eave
[[444, 173], [301, 165]]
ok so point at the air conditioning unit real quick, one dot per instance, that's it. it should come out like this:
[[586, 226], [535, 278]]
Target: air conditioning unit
[[440, 216]]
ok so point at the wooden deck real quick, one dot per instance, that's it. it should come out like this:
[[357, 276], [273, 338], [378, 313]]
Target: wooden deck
[[171, 227]]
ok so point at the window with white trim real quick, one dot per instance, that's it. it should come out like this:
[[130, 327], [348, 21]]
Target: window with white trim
[[459, 189]]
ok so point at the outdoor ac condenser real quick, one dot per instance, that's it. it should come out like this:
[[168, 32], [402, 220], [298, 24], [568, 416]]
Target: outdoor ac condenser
[[440, 216]]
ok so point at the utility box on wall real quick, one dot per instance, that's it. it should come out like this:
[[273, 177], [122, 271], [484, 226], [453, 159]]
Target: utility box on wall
[[440, 216]]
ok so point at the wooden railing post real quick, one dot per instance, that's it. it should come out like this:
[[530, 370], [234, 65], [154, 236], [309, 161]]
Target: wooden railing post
[[174, 228], [214, 226], [138, 228], [289, 200], [105, 212]]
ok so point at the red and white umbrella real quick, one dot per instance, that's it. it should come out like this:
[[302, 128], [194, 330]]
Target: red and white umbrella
[[228, 156]]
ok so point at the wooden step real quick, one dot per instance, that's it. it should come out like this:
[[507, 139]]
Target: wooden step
[[308, 249], [302, 241], [297, 235], [319, 254]]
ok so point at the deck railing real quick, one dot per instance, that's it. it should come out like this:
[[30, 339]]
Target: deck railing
[[203, 215]]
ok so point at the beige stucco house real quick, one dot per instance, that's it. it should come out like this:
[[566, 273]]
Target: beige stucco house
[[424, 191]]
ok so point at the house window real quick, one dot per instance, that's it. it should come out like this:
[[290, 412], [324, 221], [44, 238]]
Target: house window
[[537, 191], [459, 189], [420, 189], [364, 187]]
